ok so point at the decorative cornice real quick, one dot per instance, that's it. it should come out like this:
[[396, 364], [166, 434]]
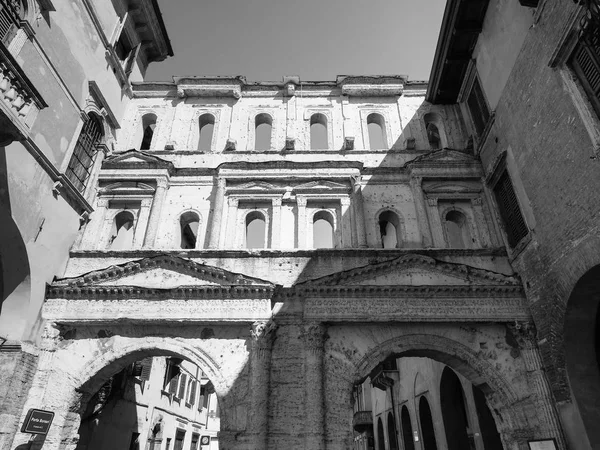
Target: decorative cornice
[[134, 159], [421, 291]]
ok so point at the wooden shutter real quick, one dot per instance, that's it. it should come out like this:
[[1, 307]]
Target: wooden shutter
[[201, 399], [181, 393], [585, 63], [173, 385], [192, 396], [515, 226], [146, 364], [131, 59]]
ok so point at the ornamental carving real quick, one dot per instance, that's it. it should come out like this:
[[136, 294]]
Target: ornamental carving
[[263, 334], [314, 335], [524, 332]]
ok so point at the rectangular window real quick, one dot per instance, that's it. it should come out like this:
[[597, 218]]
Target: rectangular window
[[80, 164], [510, 212], [192, 393], [9, 21], [181, 393], [179, 437], [478, 107], [585, 61], [195, 439]]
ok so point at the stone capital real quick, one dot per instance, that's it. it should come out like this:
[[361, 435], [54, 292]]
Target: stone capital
[[102, 202], [345, 201], [232, 201], [432, 201], [477, 201], [276, 202], [146, 202], [301, 201], [263, 334], [314, 335], [220, 183], [416, 181], [524, 332], [161, 183]]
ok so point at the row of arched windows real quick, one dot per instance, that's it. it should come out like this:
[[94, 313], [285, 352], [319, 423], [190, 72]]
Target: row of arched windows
[[263, 128], [323, 230]]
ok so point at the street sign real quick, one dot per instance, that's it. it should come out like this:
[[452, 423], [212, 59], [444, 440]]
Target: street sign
[[37, 421]]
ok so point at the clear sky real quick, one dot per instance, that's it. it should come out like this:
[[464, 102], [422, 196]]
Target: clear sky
[[315, 39]]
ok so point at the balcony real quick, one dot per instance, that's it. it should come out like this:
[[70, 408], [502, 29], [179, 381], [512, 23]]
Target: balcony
[[362, 421]]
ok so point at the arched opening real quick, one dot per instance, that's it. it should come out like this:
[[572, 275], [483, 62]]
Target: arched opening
[[206, 124], [582, 350], [255, 230], [487, 426], [148, 126], [389, 229], [392, 435], [318, 132], [426, 420], [188, 225], [263, 124], [433, 128], [407, 432], [121, 237], [149, 403], [454, 411], [457, 232], [84, 153], [323, 229], [376, 129], [380, 435]]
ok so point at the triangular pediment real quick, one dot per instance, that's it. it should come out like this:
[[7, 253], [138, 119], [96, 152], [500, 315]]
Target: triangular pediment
[[136, 158], [256, 186], [321, 184], [445, 155], [161, 272], [415, 270]]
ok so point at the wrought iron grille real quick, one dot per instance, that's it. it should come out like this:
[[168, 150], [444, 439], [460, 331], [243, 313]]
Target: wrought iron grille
[[82, 159], [515, 226]]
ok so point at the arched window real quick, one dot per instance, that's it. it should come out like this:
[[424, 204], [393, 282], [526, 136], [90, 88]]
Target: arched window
[[206, 123], [318, 132], [407, 433], [188, 224], [376, 128], [454, 411], [323, 230], [434, 129], [380, 435], [487, 426], [457, 231], [148, 125], [427, 430], [389, 229], [255, 230], [82, 159], [262, 129], [121, 237], [392, 436]]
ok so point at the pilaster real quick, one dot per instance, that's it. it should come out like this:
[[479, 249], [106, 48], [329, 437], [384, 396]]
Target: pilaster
[[423, 222], [142, 223], [217, 216], [435, 222], [276, 223], [346, 222], [301, 222], [231, 237], [155, 213], [359, 211]]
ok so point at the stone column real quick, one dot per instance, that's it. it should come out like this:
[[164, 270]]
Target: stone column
[[155, 213], [93, 230], [217, 216], [423, 222], [142, 223], [231, 237], [301, 221], [547, 417], [263, 334], [346, 223], [276, 223], [359, 212], [436, 223], [314, 336]]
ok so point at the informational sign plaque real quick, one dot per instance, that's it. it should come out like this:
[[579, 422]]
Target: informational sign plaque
[[205, 440], [542, 444], [37, 421]]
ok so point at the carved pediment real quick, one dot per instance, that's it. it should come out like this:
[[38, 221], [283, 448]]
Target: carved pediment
[[256, 186], [127, 187], [415, 270], [320, 185], [160, 272], [135, 158], [442, 156]]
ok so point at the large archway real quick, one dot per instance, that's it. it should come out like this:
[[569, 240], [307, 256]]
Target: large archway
[[582, 350]]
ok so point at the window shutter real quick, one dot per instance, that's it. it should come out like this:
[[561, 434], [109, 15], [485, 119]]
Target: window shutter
[[201, 403], [192, 396], [173, 385], [181, 393], [146, 364], [515, 226], [131, 60], [585, 63]]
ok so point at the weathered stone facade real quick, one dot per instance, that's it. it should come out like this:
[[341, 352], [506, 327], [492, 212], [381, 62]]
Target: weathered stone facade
[[285, 332]]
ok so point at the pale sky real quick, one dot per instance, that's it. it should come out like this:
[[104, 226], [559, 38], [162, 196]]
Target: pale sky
[[315, 39]]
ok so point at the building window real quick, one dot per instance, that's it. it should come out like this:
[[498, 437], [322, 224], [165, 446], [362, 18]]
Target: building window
[[389, 229], [121, 237], [457, 230], [376, 129], [179, 438], [182, 382], [427, 429], [82, 159], [148, 126], [323, 228], [192, 392], [188, 225], [255, 230], [392, 436], [142, 368], [510, 212], [11, 13], [206, 122], [407, 433], [195, 439], [263, 124], [172, 376], [318, 132], [478, 107], [433, 127], [126, 52], [585, 61]]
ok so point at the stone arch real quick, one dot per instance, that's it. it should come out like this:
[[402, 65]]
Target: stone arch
[[72, 384]]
